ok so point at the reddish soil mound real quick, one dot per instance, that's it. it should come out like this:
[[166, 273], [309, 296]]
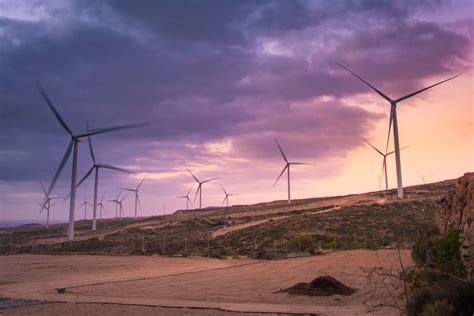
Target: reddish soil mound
[[321, 286]]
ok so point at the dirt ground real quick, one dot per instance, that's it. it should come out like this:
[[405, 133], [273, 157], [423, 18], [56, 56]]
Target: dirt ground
[[128, 285]]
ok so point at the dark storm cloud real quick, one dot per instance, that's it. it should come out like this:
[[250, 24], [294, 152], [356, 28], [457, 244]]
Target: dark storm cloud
[[202, 71]]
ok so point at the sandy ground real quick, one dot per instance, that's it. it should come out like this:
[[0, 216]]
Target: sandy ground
[[158, 285]]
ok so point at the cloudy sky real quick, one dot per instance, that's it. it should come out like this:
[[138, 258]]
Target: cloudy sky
[[217, 81]]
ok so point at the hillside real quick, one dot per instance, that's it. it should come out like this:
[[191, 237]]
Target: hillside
[[265, 230]]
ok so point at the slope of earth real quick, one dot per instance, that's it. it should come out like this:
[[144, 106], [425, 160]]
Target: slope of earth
[[371, 220]]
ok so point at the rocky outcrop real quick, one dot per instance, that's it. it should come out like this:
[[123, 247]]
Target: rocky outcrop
[[458, 211]]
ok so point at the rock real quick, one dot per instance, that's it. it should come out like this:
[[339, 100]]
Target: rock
[[458, 211]]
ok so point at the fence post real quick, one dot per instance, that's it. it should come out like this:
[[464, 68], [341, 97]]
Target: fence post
[[143, 249], [208, 248], [286, 245], [299, 243], [273, 244], [164, 245], [404, 239], [185, 246], [11, 245]]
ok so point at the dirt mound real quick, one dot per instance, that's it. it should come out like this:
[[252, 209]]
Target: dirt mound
[[321, 286]]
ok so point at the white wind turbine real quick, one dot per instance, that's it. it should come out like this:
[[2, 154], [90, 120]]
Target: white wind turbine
[[85, 204], [96, 166], [73, 147], [384, 162], [119, 203], [137, 197], [102, 206], [287, 167], [199, 188], [226, 199], [46, 205], [393, 120], [188, 200], [116, 201]]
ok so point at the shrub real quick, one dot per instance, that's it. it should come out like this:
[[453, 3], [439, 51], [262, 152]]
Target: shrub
[[301, 243], [456, 293], [438, 308], [329, 244], [442, 253]]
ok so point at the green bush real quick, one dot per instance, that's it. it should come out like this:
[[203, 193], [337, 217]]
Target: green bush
[[456, 293], [301, 243], [438, 308], [330, 244], [442, 253]]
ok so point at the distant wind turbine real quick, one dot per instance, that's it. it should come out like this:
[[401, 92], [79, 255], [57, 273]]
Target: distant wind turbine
[[199, 188], [102, 206], [85, 204], [73, 147], [116, 201], [226, 199], [393, 119], [137, 197], [46, 205], [121, 212], [287, 167], [384, 162], [96, 166], [187, 199]]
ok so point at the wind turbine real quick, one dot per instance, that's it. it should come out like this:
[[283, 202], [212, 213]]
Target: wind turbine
[[116, 201], [73, 147], [287, 166], [102, 206], [137, 197], [46, 205], [199, 188], [226, 199], [96, 166], [393, 119], [121, 206], [187, 198], [384, 163], [85, 203]]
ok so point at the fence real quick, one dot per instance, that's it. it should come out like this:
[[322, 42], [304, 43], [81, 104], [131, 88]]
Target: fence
[[206, 246]]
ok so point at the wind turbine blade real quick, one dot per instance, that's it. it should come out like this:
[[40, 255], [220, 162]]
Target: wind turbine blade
[[90, 148], [389, 127], [192, 203], [85, 176], [103, 195], [375, 148], [105, 209], [139, 202], [114, 168], [110, 129], [371, 86], [51, 106], [224, 201], [424, 89], [193, 176], [286, 166], [197, 191], [44, 190], [123, 198], [281, 150], [208, 180], [189, 191], [223, 189], [141, 182], [66, 156], [298, 163], [131, 190]]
